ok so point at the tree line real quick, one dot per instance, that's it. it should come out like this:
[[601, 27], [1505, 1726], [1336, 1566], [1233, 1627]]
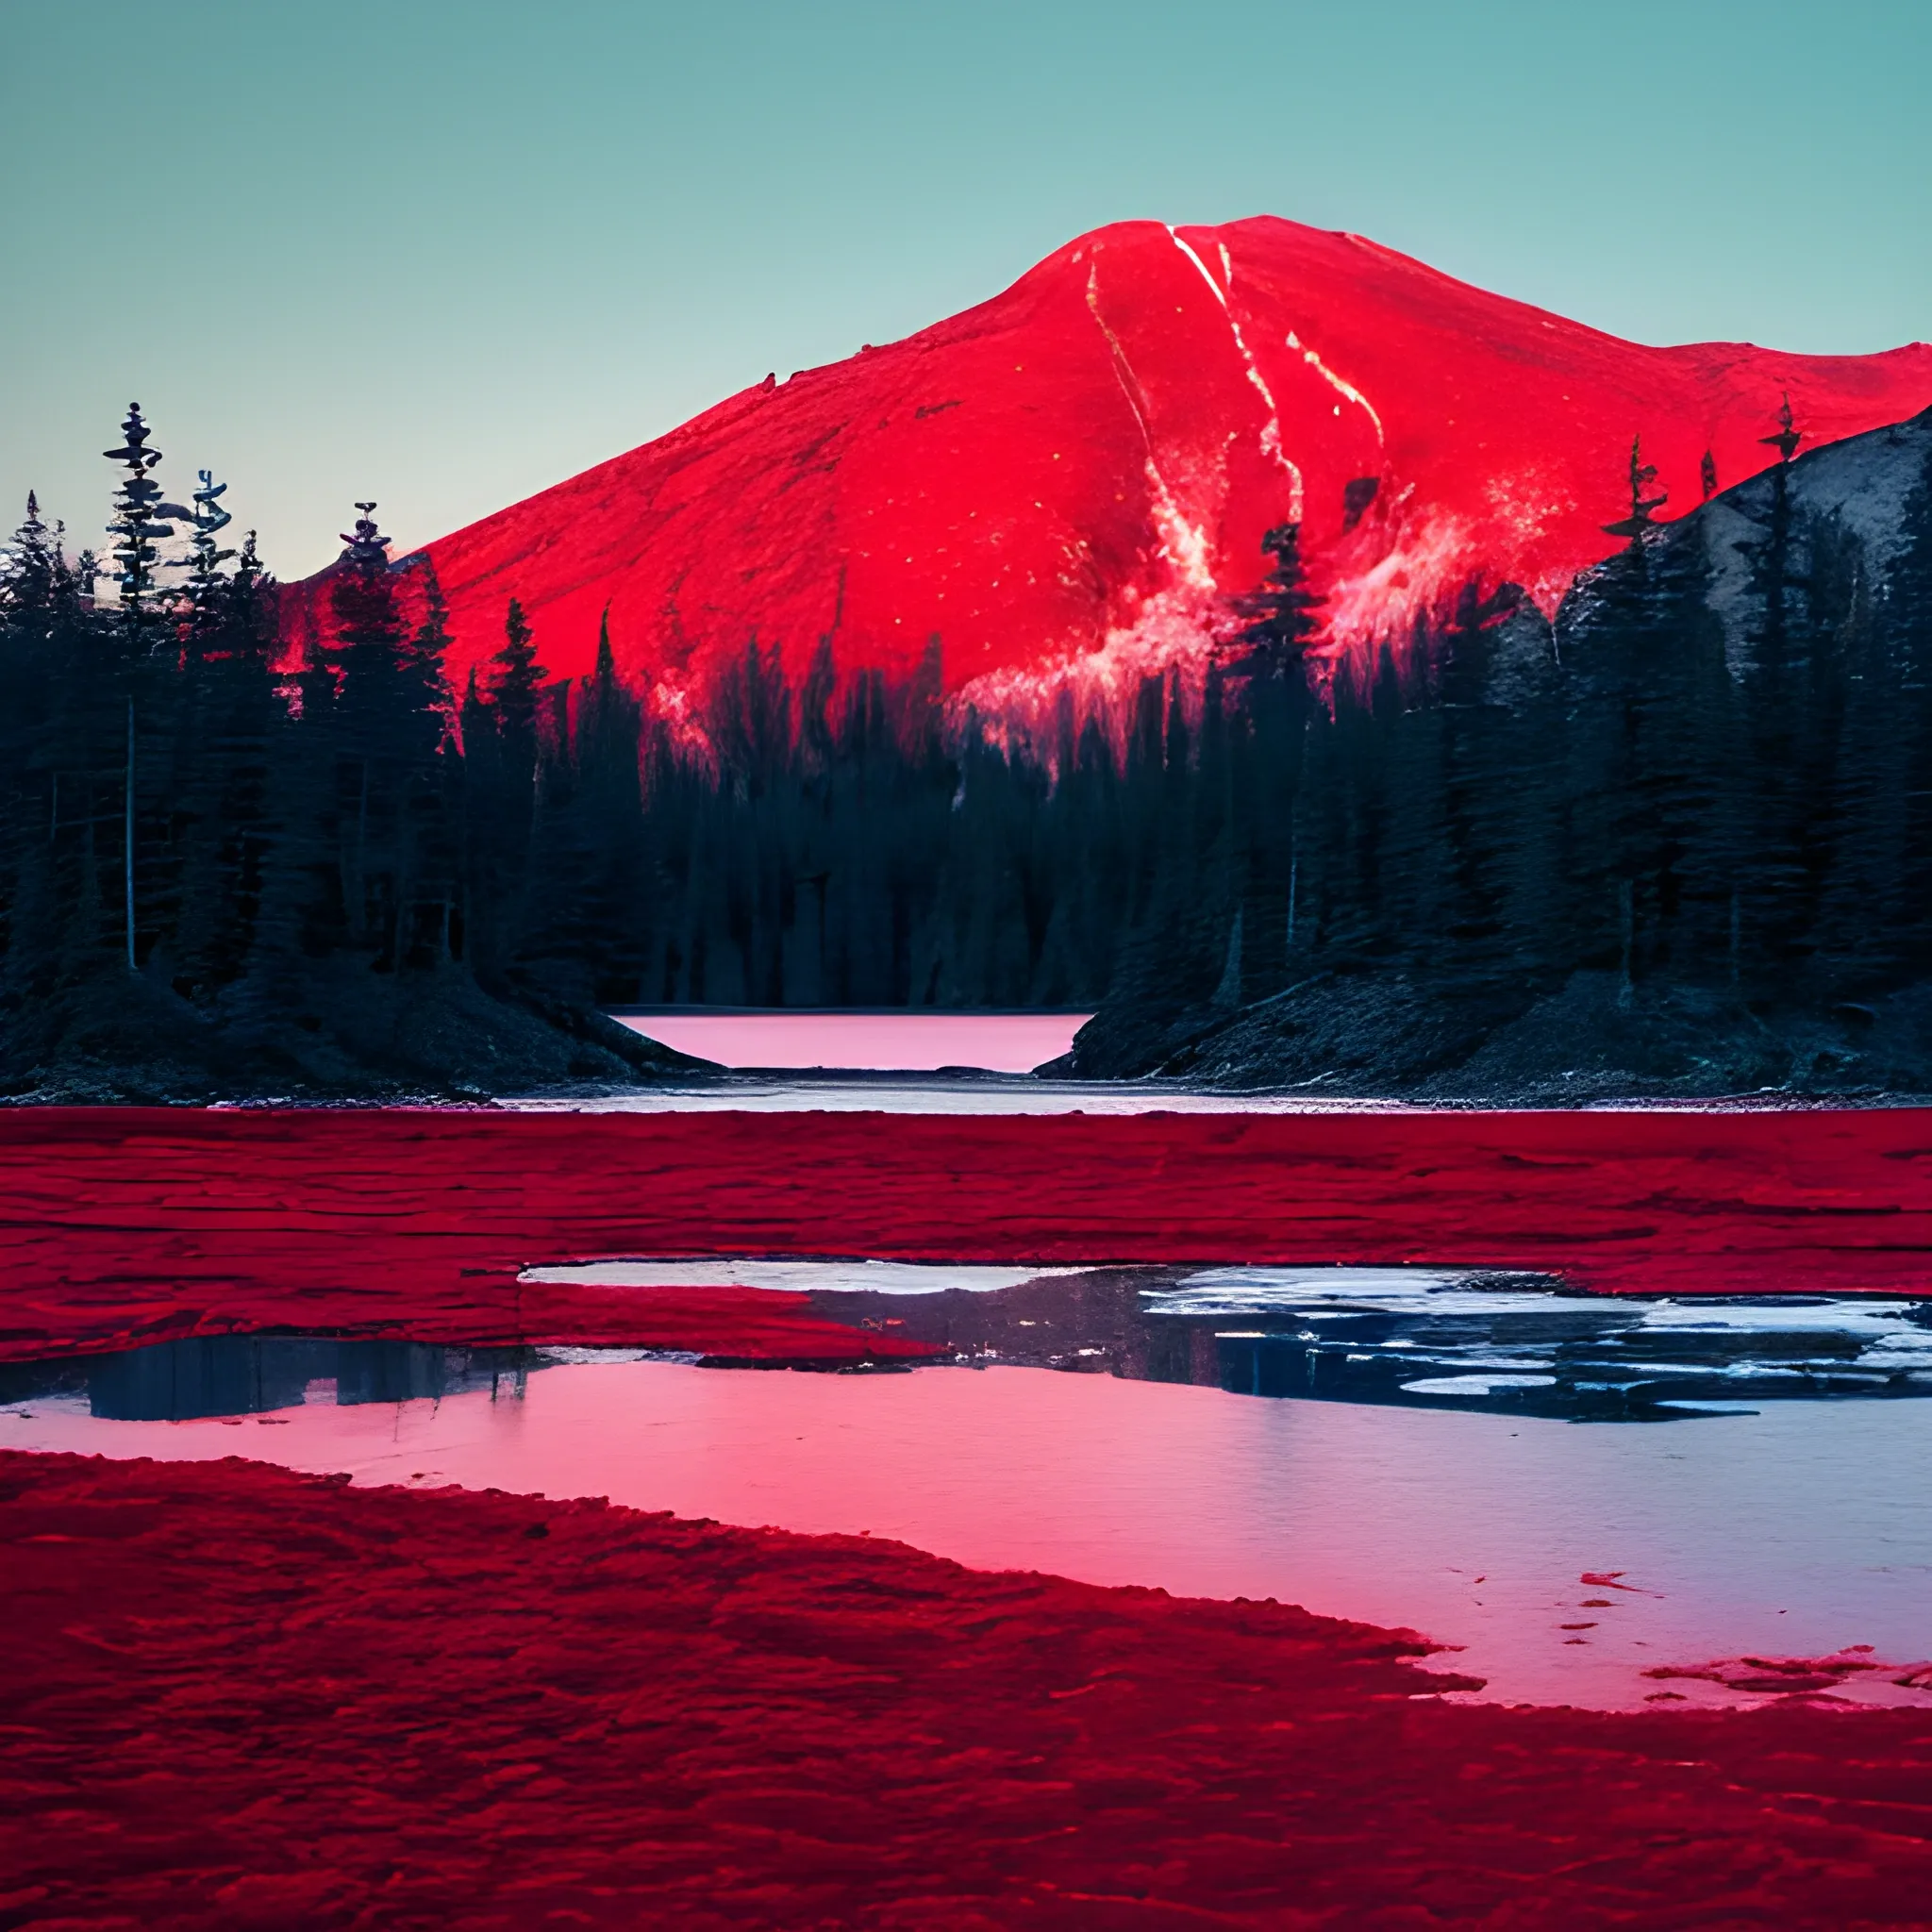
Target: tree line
[[271, 818], [268, 825], [1712, 770]]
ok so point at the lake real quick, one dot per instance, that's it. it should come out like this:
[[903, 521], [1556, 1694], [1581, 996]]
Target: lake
[[1438, 1453], [1139, 1370], [900, 1040]]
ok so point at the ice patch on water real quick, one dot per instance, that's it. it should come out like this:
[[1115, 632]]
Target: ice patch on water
[[1269, 1290], [1789, 1316], [1476, 1385], [554, 1354], [829, 1277], [974, 1096]]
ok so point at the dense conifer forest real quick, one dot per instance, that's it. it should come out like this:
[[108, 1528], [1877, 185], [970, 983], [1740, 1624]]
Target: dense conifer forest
[[244, 852], [1680, 840]]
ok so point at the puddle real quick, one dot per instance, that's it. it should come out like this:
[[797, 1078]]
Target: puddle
[[1566, 1561], [1413, 1460]]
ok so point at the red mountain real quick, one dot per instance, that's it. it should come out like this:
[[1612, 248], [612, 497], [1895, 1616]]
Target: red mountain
[[1064, 482]]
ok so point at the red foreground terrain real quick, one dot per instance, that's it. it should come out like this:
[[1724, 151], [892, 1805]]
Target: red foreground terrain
[[241, 1698], [122, 1224], [1063, 484]]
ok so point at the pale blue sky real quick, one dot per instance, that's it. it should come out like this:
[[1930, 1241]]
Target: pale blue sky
[[445, 254]]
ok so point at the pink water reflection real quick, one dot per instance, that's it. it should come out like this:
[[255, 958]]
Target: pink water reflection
[[1793, 1532], [872, 1043]]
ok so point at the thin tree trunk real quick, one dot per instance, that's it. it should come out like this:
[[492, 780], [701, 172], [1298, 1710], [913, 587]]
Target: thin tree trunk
[[127, 839]]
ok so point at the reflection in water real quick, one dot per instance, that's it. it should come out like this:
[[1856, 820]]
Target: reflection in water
[[1568, 1561], [254, 1374], [1572, 1563], [1415, 1336], [1406, 1337], [1518, 1344]]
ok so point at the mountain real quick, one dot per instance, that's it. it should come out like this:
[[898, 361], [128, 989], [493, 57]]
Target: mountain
[[1064, 483], [1678, 844]]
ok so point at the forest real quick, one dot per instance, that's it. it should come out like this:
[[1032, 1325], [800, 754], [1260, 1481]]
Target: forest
[[281, 856]]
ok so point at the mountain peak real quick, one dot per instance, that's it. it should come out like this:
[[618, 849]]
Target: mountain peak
[[1065, 484]]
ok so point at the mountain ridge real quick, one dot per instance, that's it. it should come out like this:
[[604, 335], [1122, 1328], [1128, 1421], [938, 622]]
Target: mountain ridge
[[1065, 483]]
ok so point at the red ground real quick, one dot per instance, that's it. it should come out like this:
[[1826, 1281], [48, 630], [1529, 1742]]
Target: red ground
[[118, 1225], [1080, 464], [239, 1698]]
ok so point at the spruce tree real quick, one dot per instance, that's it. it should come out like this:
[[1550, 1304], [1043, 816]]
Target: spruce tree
[[1642, 518], [229, 725], [1903, 627], [137, 527], [1773, 883], [500, 755], [1282, 620], [32, 569], [1264, 753], [388, 721], [29, 791], [517, 680], [618, 894], [207, 589]]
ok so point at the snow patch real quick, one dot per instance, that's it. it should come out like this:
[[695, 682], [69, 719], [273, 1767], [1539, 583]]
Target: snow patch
[[1425, 564], [1021, 708], [1270, 427], [1347, 390], [1183, 544]]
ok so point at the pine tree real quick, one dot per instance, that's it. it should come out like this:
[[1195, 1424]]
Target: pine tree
[[29, 624], [145, 609], [207, 589], [388, 721], [228, 727], [1282, 621], [517, 680], [1640, 808], [618, 898], [1264, 755], [1774, 884], [32, 567], [1643, 519], [139, 526], [1903, 629], [500, 756], [433, 791]]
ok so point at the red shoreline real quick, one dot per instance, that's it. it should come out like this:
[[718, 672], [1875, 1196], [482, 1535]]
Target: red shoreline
[[124, 1225], [238, 1697]]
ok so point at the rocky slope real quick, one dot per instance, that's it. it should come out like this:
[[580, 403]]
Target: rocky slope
[[118, 1037]]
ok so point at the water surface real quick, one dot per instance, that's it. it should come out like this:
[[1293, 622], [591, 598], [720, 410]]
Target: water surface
[[902, 1040], [1564, 1560]]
